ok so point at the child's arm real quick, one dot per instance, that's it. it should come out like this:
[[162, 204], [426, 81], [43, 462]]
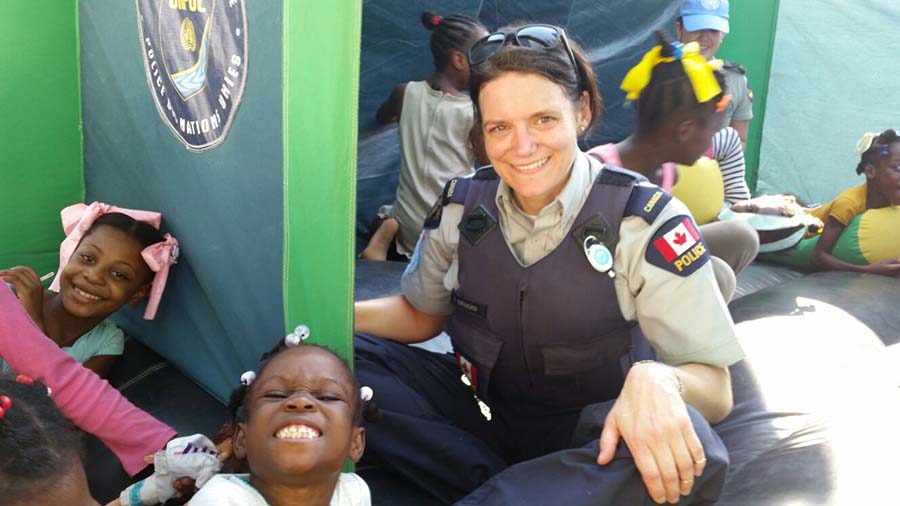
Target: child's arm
[[823, 260], [101, 364], [89, 402], [390, 110]]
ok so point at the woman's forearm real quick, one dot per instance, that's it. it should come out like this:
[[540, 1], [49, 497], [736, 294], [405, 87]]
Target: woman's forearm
[[396, 319], [707, 388]]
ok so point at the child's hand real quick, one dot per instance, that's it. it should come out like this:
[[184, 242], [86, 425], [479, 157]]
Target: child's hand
[[29, 289], [184, 489], [885, 267]]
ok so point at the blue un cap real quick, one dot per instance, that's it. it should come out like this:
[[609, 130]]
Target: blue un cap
[[705, 15]]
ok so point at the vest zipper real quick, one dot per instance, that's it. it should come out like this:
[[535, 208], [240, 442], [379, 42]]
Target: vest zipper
[[522, 288]]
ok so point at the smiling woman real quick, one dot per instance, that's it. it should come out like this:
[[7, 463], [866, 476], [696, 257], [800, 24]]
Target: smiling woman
[[109, 259], [543, 326]]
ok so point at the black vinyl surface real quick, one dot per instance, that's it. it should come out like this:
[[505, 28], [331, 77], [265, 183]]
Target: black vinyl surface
[[817, 403]]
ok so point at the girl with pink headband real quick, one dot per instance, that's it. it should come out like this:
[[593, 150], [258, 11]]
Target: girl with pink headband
[[111, 256]]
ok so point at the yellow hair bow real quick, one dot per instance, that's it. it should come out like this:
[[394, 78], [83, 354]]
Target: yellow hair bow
[[699, 72], [865, 143]]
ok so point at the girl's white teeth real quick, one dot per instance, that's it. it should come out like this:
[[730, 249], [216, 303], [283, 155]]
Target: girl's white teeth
[[297, 432], [86, 295], [532, 166]]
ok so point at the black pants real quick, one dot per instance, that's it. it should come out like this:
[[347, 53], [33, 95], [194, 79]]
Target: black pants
[[433, 433]]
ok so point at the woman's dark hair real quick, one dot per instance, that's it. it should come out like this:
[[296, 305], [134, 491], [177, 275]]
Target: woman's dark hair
[[878, 149], [669, 90], [455, 32], [38, 446], [552, 63]]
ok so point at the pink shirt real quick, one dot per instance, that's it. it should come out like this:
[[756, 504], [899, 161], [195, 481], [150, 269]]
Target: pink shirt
[[85, 399]]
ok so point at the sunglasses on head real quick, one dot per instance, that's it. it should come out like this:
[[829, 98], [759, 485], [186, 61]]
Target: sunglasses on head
[[530, 36]]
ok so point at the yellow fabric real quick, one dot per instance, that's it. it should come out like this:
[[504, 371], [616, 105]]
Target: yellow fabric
[[848, 204], [699, 71], [701, 188], [878, 237]]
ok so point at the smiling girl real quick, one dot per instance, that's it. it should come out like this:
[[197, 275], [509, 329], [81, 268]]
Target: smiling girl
[[295, 424], [110, 257]]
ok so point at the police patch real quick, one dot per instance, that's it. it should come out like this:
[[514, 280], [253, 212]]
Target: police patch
[[195, 58], [646, 201], [677, 247]]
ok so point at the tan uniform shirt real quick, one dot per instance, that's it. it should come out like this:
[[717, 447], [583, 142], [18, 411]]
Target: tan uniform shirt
[[685, 318]]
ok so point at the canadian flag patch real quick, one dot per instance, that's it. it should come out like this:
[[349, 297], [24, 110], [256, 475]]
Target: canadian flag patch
[[678, 247], [677, 240], [469, 369]]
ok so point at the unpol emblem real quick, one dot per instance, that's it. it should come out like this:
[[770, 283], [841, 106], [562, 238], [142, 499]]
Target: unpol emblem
[[195, 58]]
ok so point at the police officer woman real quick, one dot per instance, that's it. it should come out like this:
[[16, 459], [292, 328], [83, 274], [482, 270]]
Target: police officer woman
[[539, 267]]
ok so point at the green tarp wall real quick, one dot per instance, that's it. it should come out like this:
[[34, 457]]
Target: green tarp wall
[[264, 219], [750, 43], [40, 129], [834, 77]]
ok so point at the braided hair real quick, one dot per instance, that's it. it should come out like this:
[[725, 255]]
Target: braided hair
[[38, 446], [878, 149], [455, 32], [669, 89]]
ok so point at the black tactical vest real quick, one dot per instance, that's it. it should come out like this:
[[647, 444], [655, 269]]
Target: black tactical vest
[[551, 335]]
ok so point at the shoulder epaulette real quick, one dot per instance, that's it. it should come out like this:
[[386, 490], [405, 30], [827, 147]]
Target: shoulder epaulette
[[734, 66], [486, 172], [617, 176], [454, 193], [646, 202]]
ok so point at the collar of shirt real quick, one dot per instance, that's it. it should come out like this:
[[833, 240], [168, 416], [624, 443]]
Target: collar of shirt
[[531, 238]]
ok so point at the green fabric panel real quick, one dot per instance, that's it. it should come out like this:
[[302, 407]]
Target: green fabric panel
[[750, 43], [800, 256], [40, 107], [321, 82], [834, 77]]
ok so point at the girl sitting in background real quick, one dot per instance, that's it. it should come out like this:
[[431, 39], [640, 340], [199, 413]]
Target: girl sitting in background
[[880, 162], [435, 117], [110, 257]]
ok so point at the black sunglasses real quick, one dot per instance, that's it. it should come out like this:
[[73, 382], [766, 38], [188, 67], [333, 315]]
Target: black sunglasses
[[531, 36]]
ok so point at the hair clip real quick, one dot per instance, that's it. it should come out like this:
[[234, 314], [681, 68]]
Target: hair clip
[[436, 20], [885, 150], [248, 378], [5, 403], [25, 380], [366, 394], [723, 102], [300, 334]]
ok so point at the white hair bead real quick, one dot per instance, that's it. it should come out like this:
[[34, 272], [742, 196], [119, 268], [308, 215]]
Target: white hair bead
[[302, 331], [366, 394], [248, 378]]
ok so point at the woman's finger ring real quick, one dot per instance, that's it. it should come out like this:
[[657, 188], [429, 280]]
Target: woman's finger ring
[[687, 481], [701, 461]]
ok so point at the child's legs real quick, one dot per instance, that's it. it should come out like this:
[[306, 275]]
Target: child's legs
[[735, 242], [573, 478], [378, 246], [431, 430]]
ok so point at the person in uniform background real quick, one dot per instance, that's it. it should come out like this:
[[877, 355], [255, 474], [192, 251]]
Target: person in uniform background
[[434, 118], [706, 22], [539, 266]]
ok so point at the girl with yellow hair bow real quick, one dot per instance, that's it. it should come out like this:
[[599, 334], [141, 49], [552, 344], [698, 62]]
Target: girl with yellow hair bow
[[679, 99]]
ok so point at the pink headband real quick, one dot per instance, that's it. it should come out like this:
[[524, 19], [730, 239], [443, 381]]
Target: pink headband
[[77, 220]]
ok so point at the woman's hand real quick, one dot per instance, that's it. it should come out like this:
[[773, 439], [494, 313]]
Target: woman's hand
[[29, 289], [652, 418]]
